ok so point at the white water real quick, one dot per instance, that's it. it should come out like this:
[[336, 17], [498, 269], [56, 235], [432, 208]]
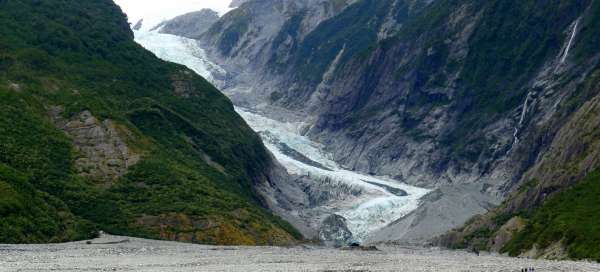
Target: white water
[[373, 209], [573, 34], [521, 120], [531, 94]]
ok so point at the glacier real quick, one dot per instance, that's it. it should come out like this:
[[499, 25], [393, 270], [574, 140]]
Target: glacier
[[368, 203]]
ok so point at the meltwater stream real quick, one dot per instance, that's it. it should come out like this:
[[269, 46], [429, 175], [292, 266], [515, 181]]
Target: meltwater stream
[[381, 200]]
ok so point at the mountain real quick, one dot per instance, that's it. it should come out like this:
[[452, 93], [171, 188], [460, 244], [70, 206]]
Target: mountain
[[490, 104], [190, 25], [236, 3], [96, 133]]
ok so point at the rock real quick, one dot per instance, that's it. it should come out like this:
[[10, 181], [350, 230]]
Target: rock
[[191, 25], [138, 25], [104, 154], [15, 87], [335, 232], [182, 85], [359, 247], [506, 233]]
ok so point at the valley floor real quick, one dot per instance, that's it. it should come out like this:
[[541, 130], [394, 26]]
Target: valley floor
[[113, 253]]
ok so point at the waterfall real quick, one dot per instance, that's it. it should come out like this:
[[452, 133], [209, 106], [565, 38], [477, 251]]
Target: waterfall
[[521, 120], [573, 34], [529, 100], [531, 95]]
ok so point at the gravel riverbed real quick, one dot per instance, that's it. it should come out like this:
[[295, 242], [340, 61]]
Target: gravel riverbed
[[114, 253]]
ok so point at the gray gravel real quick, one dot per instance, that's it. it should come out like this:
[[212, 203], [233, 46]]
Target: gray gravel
[[148, 255]]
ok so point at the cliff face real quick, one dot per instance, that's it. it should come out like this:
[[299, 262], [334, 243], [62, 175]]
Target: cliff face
[[245, 39], [465, 97], [191, 25], [96, 133]]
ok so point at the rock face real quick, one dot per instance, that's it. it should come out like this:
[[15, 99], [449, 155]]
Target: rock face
[[138, 25], [570, 155], [506, 232], [190, 25], [183, 85], [453, 96], [335, 231], [246, 38], [102, 147]]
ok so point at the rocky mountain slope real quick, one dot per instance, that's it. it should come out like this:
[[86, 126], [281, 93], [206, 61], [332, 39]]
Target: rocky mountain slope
[[191, 25], [96, 133], [481, 101]]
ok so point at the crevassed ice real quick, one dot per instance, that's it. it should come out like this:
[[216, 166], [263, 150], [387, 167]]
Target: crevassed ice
[[372, 210], [182, 51]]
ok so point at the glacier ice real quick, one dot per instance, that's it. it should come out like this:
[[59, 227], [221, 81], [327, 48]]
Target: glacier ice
[[366, 206]]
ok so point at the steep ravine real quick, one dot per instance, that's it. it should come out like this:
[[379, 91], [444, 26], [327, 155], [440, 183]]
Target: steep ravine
[[320, 197]]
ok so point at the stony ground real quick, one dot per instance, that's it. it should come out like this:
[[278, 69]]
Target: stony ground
[[113, 253]]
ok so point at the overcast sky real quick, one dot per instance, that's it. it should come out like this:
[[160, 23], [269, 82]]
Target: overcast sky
[[155, 11]]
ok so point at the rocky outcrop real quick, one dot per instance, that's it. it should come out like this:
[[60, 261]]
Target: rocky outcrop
[[182, 84], [101, 146], [506, 233], [335, 231], [138, 25], [190, 25], [15, 87]]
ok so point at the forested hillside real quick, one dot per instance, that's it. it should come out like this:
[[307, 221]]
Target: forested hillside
[[96, 134]]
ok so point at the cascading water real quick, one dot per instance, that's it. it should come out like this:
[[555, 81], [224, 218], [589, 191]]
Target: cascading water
[[530, 98], [568, 48]]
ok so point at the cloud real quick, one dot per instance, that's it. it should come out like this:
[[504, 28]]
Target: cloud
[[156, 11]]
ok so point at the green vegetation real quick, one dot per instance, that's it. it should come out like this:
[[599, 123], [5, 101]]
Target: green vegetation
[[353, 30], [80, 55], [509, 45], [588, 39], [570, 217]]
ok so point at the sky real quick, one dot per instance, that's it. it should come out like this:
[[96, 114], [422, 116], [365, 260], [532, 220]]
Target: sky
[[155, 11]]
